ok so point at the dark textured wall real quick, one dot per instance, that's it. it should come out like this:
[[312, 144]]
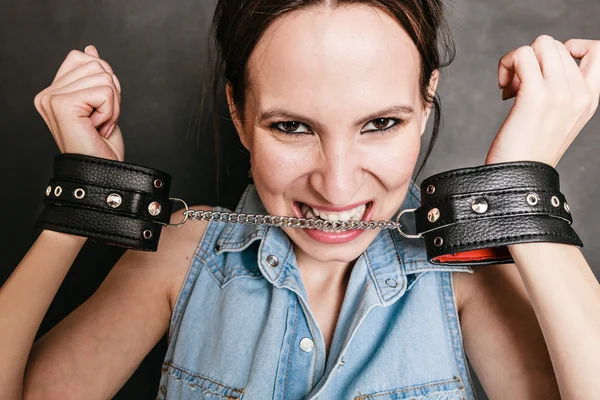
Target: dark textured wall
[[157, 50]]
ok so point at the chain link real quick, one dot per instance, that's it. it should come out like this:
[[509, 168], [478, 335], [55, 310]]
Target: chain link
[[287, 222]]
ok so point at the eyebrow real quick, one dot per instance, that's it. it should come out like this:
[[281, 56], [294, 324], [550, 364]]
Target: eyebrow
[[281, 112]]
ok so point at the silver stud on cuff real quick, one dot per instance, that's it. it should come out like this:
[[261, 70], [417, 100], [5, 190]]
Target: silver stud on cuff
[[79, 193], [48, 190], [433, 215], [113, 200], [154, 208], [532, 199], [147, 234], [158, 183], [438, 241], [567, 209], [555, 202], [57, 191], [430, 189], [479, 205]]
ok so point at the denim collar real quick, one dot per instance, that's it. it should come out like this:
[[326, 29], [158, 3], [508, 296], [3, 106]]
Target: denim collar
[[391, 258]]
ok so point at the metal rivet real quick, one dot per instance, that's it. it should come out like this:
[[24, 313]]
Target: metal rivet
[[272, 261], [391, 282], [147, 234], [307, 345], [433, 215], [567, 209], [113, 200], [154, 208], [158, 183], [479, 205], [555, 201], [48, 190], [532, 199], [430, 189], [438, 241], [57, 191], [79, 193]]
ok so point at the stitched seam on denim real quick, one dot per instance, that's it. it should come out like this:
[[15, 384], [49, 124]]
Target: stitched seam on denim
[[197, 257], [508, 237], [170, 364], [230, 227], [454, 329], [241, 243], [435, 383], [293, 342], [400, 257], [499, 167], [372, 275]]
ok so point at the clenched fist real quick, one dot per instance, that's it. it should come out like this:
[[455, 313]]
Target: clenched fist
[[82, 105]]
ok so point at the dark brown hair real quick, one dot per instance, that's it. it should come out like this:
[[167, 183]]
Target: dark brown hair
[[238, 25]]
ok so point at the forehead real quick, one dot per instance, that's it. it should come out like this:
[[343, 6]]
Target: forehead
[[355, 58]]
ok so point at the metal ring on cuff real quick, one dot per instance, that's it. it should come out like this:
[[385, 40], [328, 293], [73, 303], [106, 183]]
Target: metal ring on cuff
[[406, 235], [185, 214]]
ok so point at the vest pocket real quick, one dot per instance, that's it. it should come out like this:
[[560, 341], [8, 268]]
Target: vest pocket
[[183, 384], [447, 389]]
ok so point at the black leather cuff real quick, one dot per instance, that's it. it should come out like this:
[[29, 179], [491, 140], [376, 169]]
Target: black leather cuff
[[107, 201], [468, 216]]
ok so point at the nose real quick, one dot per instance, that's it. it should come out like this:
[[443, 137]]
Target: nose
[[339, 175]]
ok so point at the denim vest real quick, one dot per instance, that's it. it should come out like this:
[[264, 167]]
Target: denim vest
[[242, 328]]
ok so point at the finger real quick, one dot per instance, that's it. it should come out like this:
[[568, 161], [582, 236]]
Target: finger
[[511, 90], [76, 58], [548, 58], [78, 128], [571, 68], [523, 63], [588, 51], [101, 79]]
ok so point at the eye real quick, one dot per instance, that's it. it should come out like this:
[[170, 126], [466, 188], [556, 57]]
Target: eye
[[382, 124], [289, 127]]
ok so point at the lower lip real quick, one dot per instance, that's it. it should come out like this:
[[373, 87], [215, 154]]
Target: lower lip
[[333, 237]]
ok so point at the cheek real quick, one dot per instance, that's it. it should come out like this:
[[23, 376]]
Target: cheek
[[276, 165], [394, 161]]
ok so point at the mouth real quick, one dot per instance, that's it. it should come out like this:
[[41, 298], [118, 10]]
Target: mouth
[[354, 212]]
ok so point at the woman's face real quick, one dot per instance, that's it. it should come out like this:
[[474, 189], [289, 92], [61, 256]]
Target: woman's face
[[333, 120]]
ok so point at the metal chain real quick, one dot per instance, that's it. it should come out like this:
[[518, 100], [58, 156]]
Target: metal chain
[[289, 222]]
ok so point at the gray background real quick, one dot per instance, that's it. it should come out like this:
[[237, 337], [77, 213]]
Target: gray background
[[157, 50]]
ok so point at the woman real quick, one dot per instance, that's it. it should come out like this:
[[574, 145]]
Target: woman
[[331, 100]]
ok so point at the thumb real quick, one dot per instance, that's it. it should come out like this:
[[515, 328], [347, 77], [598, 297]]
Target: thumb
[[91, 50]]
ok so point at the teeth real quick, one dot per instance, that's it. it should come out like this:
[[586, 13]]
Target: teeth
[[354, 214]]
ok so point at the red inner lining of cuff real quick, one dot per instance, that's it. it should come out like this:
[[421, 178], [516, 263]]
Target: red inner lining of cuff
[[491, 253]]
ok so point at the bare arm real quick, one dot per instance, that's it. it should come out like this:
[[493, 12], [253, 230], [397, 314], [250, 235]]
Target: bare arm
[[532, 330], [93, 351], [40, 272]]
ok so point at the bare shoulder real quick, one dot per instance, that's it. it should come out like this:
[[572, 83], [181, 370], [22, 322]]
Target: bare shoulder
[[176, 250]]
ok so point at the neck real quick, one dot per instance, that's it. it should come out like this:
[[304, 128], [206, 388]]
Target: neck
[[322, 274]]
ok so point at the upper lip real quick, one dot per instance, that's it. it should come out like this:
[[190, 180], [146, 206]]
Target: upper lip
[[337, 209]]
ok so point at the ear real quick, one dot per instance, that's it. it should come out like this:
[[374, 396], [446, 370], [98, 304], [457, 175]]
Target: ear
[[433, 82], [235, 116]]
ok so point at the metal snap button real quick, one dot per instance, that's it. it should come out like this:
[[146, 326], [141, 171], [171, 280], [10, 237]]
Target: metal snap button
[[479, 205], [113, 200], [391, 282], [272, 261], [154, 208], [433, 215], [307, 345]]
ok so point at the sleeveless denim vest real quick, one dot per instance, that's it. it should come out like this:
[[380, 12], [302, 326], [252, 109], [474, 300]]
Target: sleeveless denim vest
[[242, 328]]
